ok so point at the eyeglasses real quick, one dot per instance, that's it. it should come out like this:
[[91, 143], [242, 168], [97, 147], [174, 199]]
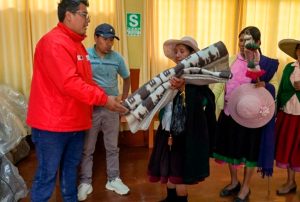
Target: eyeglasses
[[83, 14]]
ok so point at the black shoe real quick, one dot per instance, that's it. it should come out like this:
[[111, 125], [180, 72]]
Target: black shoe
[[291, 190], [168, 199], [230, 192], [238, 199], [171, 195], [181, 199]]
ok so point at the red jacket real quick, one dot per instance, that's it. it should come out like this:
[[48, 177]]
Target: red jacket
[[62, 90]]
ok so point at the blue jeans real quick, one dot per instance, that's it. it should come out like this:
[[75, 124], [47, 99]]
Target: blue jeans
[[56, 150]]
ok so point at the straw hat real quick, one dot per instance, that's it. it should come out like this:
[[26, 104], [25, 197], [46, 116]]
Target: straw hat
[[289, 47], [251, 107], [169, 46]]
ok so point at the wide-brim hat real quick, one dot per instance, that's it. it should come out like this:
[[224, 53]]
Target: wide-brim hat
[[251, 107], [169, 46], [289, 46]]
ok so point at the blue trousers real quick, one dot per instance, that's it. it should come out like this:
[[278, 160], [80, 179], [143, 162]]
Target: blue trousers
[[56, 151]]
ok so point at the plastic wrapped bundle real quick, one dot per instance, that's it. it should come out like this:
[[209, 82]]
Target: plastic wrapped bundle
[[19, 152], [17, 101], [12, 129], [12, 185]]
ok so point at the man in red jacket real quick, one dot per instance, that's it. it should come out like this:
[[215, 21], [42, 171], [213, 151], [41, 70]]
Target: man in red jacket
[[61, 99]]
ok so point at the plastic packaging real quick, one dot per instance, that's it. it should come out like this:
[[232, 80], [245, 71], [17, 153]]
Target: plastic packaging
[[12, 185], [13, 109], [17, 101]]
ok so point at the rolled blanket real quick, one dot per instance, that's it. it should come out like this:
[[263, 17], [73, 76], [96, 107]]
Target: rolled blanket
[[209, 65]]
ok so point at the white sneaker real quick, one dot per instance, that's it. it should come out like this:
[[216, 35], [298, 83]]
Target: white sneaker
[[84, 189], [117, 186]]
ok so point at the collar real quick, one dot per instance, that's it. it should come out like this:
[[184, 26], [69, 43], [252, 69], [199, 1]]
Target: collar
[[94, 52], [240, 57], [295, 64], [69, 32]]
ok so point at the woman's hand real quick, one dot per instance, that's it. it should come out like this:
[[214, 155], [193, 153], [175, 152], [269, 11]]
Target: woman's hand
[[260, 84], [177, 83], [297, 85]]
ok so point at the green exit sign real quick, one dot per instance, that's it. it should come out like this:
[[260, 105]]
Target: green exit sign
[[133, 24]]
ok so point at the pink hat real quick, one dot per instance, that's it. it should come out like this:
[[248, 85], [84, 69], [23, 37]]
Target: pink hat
[[169, 46], [250, 106]]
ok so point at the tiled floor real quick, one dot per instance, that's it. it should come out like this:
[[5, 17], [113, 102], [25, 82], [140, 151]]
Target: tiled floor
[[133, 163]]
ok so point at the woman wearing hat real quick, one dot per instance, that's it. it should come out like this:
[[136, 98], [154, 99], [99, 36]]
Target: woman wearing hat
[[288, 117], [183, 159], [244, 137]]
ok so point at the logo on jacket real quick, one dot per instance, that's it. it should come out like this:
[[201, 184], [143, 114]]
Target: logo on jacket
[[79, 57]]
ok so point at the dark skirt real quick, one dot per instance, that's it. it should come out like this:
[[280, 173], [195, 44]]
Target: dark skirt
[[200, 130], [166, 164], [288, 141], [236, 144], [188, 160]]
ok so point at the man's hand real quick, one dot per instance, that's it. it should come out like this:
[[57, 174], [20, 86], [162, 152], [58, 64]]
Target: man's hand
[[114, 105], [123, 97]]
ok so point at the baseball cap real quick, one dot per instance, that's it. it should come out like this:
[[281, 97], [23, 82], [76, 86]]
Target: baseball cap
[[106, 30]]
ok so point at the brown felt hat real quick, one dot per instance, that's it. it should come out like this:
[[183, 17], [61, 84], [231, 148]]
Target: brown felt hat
[[289, 47]]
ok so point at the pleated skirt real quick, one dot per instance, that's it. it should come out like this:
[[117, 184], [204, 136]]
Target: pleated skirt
[[166, 163], [236, 144], [288, 141], [187, 161]]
